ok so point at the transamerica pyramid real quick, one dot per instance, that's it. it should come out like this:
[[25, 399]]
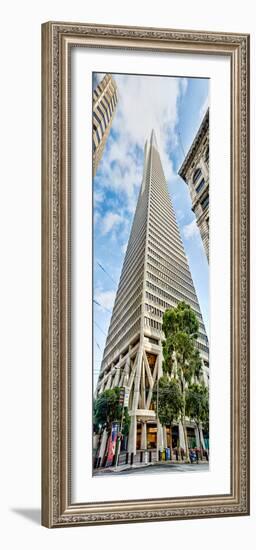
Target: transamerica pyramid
[[154, 277]]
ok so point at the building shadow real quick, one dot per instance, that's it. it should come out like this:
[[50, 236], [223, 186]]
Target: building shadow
[[32, 514]]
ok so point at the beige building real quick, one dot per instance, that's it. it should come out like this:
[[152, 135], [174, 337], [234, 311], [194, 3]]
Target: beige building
[[155, 276], [195, 172], [104, 106]]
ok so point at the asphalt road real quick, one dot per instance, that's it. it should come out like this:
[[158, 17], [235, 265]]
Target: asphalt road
[[156, 469]]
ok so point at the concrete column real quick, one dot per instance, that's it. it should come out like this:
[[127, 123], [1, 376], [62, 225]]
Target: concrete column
[[197, 437], [116, 378], [171, 437], [132, 435], [160, 359], [126, 372], [136, 393], [202, 437], [103, 443], [164, 436], [181, 436], [108, 384], [160, 439], [144, 442], [95, 441]]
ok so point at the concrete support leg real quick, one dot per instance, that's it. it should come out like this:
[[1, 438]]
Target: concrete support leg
[[103, 444], [202, 437], [165, 437], [144, 436], [132, 435], [197, 438], [181, 436], [160, 440]]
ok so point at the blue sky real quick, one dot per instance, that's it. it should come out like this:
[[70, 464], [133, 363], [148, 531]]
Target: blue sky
[[174, 107]]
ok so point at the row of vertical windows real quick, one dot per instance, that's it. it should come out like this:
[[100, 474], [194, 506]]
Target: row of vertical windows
[[152, 323], [170, 272], [173, 282], [167, 305], [167, 251], [118, 347], [168, 242], [159, 206], [135, 258], [201, 347], [171, 289], [128, 323], [130, 275], [160, 302], [183, 272], [120, 318], [121, 297], [172, 240], [154, 310], [162, 224], [133, 245]]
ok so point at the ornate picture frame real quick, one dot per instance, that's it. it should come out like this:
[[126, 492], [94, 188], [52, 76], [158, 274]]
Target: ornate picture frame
[[58, 40]]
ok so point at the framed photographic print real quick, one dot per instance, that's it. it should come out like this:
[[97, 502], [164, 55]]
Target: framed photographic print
[[145, 274]]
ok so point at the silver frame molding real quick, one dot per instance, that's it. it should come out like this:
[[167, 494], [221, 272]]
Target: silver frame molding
[[57, 41]]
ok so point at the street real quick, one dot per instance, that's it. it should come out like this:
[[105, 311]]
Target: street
[[154, 469]]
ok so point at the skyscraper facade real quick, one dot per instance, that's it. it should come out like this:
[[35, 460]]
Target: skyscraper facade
[[154, 277], [103, 110], [195, 172]]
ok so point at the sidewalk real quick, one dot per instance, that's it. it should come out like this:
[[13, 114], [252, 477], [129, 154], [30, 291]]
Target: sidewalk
[[138, 465]]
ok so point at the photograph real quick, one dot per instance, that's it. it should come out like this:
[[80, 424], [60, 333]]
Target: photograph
[[151, 259], [145, 326]]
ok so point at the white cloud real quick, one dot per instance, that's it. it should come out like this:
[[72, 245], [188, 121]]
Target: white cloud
[[105, 298], [98, 197], [190, 230], [144, 103], [124, 247], [110, 221]]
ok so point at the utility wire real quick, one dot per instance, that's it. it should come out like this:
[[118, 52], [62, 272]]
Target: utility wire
[[97, 345], [103, 269], [103, 307], [100, 328]]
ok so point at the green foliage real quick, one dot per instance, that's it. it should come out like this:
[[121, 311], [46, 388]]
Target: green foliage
[[180, 326], [169, 400], [181, 356], [126, 422], [106, 409], [180, 319], [197, 403]]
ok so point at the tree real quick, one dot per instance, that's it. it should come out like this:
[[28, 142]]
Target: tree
[[197, 405], [181, 357], [169, 401], [106, 410]]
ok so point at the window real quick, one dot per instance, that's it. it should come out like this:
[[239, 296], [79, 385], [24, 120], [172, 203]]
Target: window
[[97, 117], [197, 175], [200, 186], [207, 155], [205, 202]]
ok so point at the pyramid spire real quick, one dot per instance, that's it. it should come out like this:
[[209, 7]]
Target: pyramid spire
[[153, 141]]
